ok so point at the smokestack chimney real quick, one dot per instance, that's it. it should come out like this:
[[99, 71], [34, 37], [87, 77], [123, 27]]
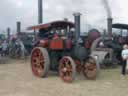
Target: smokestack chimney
[[40, 11], [65, 19], [8, 33], [18, 27], [109, 26], [77, 25]]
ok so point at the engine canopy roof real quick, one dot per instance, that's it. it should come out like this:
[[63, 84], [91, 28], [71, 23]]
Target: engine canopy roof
[[51, 25], [120, 26]]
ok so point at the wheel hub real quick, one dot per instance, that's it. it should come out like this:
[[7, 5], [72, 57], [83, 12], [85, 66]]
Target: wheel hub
[[65, 69]]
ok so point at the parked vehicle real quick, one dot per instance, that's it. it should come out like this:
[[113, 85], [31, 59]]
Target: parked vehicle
[[60, 49]]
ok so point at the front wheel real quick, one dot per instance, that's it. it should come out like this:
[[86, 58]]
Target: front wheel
[[67, 69], [40, 62]]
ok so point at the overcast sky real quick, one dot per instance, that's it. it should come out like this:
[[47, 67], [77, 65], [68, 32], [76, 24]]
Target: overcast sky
[[93, 12]]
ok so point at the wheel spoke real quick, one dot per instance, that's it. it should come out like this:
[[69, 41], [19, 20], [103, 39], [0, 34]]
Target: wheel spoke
[[67, 63], [66, 70], [40, 56], [62, 65], [42, 61], [36, 64], [70, 70], [63, 70]]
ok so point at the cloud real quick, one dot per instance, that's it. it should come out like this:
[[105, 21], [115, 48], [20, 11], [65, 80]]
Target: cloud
[[93, 12]]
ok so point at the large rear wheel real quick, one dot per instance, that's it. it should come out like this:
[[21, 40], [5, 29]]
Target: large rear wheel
[[40, 61], [67, 69]]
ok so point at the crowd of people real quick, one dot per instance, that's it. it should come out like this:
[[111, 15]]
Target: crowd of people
[[13, 48]]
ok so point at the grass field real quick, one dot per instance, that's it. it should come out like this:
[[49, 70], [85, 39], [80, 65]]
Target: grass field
[[16, 79]]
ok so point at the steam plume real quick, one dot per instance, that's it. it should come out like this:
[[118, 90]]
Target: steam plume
[[107, 8]]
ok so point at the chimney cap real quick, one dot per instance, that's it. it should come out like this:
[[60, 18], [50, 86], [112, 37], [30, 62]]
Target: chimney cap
[[18, 21], [77, 14], [110, 18]]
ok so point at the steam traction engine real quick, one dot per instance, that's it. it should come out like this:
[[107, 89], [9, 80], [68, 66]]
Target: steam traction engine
[[61, 49]]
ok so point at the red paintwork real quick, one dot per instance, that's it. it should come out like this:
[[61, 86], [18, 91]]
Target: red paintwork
[[93, 35], [44, 43], [87, 44], [56, 44], [68, 44], [56, 36]]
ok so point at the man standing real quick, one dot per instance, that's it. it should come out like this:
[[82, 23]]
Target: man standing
[[125, 58], [4, 48]]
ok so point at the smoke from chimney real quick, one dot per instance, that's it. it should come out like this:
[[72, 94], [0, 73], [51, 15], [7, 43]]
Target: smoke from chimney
[[107, 8], [109, 17]]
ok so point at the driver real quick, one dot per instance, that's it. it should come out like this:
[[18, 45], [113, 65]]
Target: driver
[[56, 36]]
